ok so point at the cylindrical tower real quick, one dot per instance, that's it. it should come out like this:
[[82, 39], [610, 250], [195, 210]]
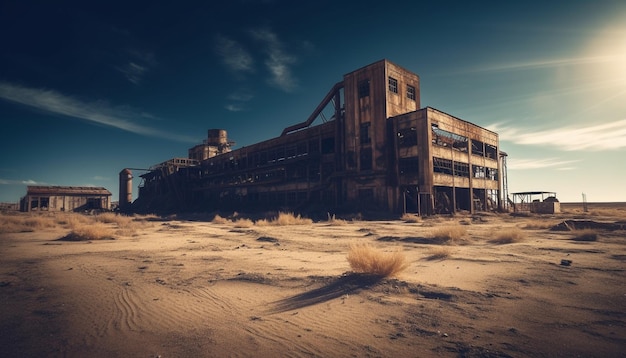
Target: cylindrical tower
[[126, 189], [217, 137]]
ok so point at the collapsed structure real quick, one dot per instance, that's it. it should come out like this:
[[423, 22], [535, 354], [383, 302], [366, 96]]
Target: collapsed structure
[[378, 150]]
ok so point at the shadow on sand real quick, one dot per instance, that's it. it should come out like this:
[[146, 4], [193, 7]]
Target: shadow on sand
[[346, 284]]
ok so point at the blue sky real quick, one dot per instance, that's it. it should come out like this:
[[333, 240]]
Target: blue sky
[[88, 88]]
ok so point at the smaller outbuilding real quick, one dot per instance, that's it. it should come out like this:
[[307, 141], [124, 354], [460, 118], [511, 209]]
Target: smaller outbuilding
[[65, 198]]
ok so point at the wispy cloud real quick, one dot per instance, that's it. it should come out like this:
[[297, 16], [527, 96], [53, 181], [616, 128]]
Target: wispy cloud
[[133, 72], [99, 112], [606, 136], [525, 164], [20, 182], [234, 108], [278, 61], [138, 66], [234, 55]]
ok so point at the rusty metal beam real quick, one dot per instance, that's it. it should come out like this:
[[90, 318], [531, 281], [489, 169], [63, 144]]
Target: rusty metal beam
[[329, 97]]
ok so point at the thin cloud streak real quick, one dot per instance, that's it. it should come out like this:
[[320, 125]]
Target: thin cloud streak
[[606, 136], [525, 164], [97, 112], [20, 182], [547, 63]]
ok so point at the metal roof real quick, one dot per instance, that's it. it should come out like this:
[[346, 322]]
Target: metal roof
[[66, 190]]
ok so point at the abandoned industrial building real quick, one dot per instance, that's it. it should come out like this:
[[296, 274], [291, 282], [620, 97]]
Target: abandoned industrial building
[[65, 198], [378, 149]]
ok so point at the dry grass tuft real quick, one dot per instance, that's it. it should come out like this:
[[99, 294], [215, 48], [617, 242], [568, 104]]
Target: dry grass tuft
[[439, 253], [585, 235], [451, 234], [538, 224], [25, 223], [367, 260], [243, 223], [411, 218], [334, 221], [95, 231], [219, 220], [285, 219], [112, 218], [509, 236]]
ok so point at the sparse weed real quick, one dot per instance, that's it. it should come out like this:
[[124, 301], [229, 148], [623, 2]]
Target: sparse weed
[[365, 259], [334, 221], [411, 218], [451, 234], [219, 220], [509, 236], [94, 231], [243, 223]]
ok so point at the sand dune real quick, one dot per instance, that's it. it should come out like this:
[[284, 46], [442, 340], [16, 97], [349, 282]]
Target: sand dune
[[194, 288]]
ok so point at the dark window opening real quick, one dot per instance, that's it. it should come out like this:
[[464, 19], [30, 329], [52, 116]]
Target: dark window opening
[[328, 145], [366, 194], [408, 166], [407, 137], [314, 146], [365, 133], [393, 85], [366, 159], [410, 92], [364, 88], [478, 148]]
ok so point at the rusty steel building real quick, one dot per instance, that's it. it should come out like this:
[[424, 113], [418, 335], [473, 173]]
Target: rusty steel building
[[65, 198], [378, 150]]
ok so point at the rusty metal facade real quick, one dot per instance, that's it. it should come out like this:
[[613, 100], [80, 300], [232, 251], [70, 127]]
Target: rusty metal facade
[[379, 150]]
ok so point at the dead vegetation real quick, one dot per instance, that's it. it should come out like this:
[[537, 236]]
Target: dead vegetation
[[450, 234], [365, 259], [284, 219], [585, 235], [509, 236], [438, 253]]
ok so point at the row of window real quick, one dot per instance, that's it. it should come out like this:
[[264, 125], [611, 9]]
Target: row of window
[[447, 166], [363, 88]]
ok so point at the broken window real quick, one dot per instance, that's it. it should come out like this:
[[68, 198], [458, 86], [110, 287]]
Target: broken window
[[492, 173], [364, 133], [441, 165], [410, 92], [364, 88], [448, 139], [491, 151], [478, 148], [461, 169], [393, 85], [407, 137], [478, 171]]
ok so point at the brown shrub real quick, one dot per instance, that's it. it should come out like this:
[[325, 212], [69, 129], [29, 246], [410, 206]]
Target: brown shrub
[[219, 220], [367, 260], [411, 218], [243, 223], [450, 234], [95, 231], [284, 219], [334, 221], [509, 236]]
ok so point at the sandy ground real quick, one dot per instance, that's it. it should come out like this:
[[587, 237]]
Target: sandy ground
[[184, 288]]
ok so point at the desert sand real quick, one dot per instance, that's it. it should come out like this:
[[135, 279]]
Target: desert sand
[[188, 287]]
